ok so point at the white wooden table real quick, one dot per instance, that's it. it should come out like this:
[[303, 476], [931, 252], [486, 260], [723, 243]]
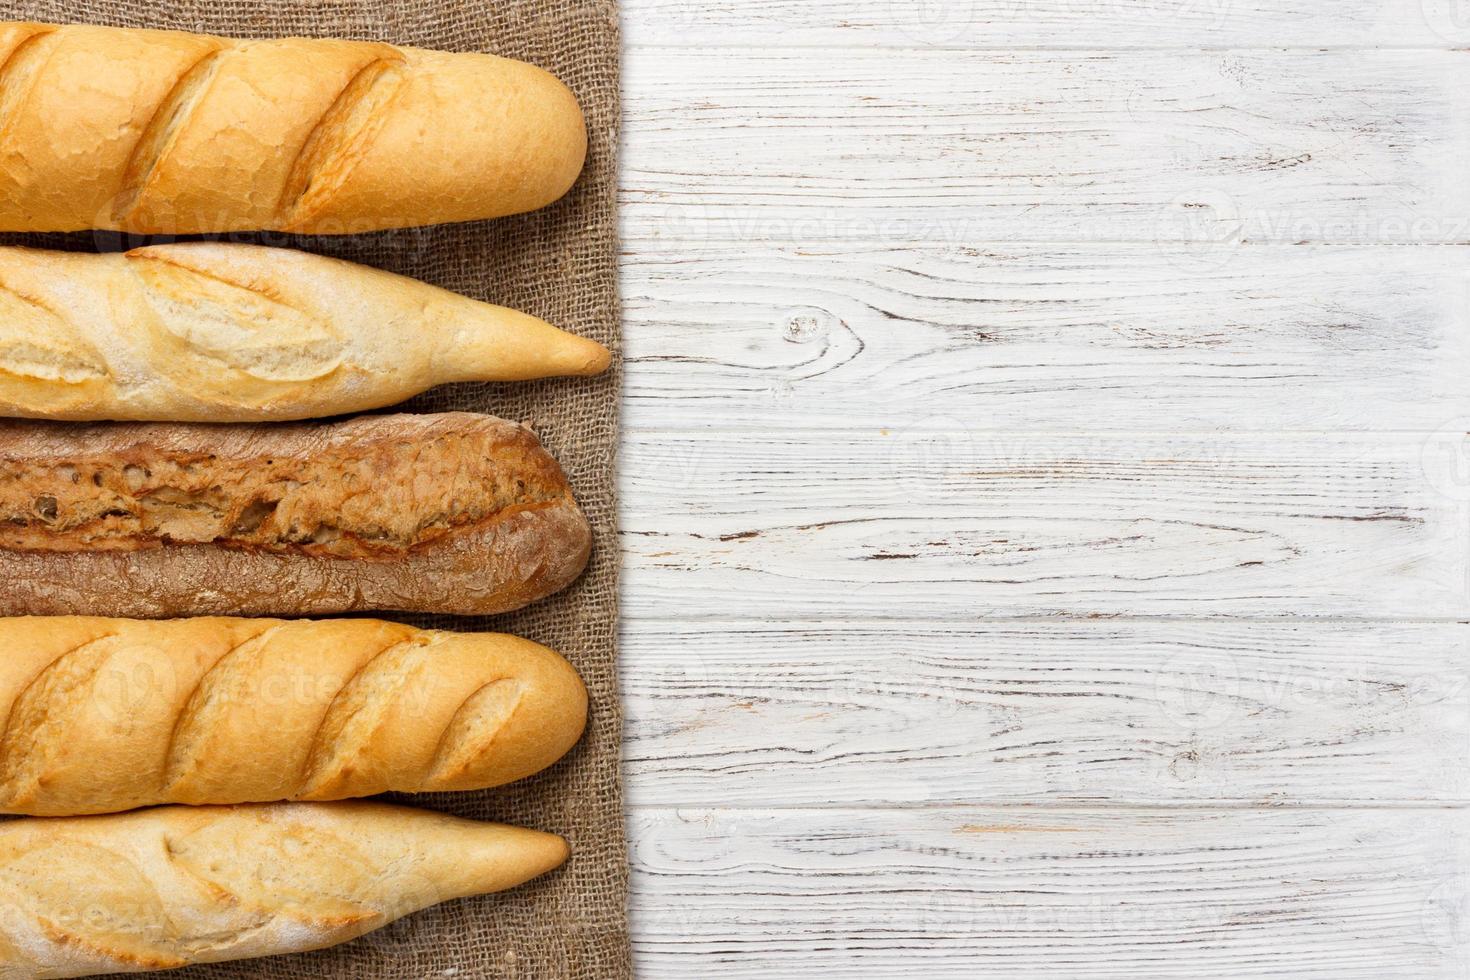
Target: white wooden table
[[1046, 490]]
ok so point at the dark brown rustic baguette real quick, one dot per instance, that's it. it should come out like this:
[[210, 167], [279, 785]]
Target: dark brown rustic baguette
[[450, 513]]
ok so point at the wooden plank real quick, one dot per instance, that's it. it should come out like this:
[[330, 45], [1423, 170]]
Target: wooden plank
[[773, 200], [752, 714], [924, 523], [804, 146], [1010, 24], [1061, 894], [734, 335]]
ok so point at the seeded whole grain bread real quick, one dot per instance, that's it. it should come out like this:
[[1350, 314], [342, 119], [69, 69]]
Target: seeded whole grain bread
[[103, 715], [447, 513], [162, 888]]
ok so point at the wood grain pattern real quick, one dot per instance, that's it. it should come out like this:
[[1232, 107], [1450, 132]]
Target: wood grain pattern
[[1118, 337], [1061, 894], [1047, 499], [755, 714], [810, 146], [954, 525], [1011, 24]]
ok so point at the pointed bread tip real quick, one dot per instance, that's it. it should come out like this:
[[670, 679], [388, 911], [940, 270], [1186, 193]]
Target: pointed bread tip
[[496, 343], [508, 861], [596, 358]]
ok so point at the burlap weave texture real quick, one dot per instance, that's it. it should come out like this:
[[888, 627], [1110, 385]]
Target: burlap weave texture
[[560, 264]]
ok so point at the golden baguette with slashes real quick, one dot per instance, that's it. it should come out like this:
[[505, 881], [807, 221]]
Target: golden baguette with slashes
[[102, 715]]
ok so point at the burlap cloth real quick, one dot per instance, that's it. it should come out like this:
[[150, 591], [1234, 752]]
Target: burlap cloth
[[560, 264]]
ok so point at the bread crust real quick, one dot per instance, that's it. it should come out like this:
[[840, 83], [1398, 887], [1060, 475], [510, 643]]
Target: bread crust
[[164, 132], [404, 539], [162, 888], [102, 715], [213, 332]]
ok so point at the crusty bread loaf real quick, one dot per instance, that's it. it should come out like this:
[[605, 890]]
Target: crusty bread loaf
[[453, 513], [163, 888], [163, 132], [100, 715], [238, 333]]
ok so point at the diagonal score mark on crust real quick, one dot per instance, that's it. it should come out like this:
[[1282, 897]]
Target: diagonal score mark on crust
[[473, 729], [338, 716], [18, 73], [339, 140], [161, 131], [267, 868], [236, 323], [26, 722], [108, 909], [138, 260], [31, 301], [10, 953], [38, 341], [208, 692]]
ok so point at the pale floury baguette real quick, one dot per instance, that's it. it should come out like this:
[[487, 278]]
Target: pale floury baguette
[[448, 513], [163, 888], [163, 132], [207, 332], [102, 715]]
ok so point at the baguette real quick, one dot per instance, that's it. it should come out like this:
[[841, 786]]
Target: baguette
[[101, 715], [205, 332], [451, 513], [163, 888], [163, 132]]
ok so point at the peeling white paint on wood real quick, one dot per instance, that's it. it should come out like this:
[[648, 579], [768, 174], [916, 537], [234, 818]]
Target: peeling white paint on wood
[[1015, 337], [754, 714], [812, 146], [1144, 894], [938, 524], [1011, 24], [893, 439]]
